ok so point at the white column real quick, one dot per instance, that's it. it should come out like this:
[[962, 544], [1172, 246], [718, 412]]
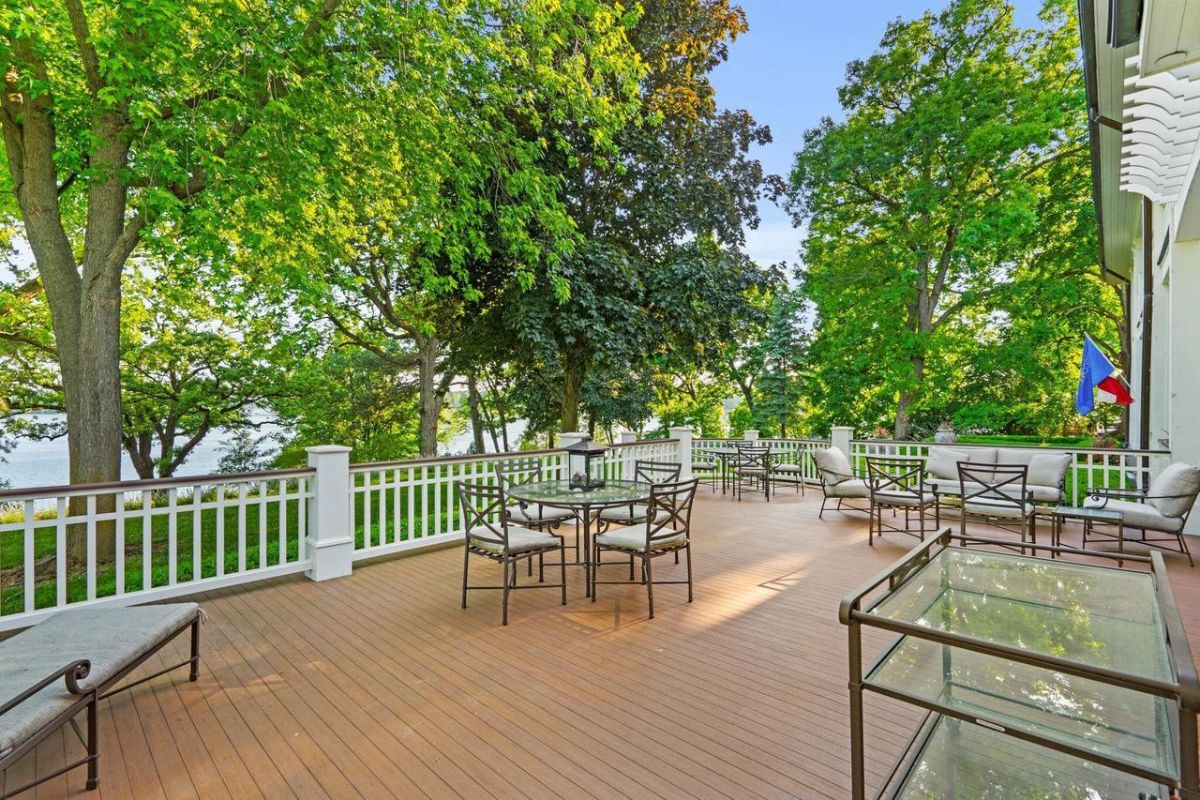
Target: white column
[[330, 539], [840, 437], [684, 450], [750, 435], [626, 437], [1179, 361]]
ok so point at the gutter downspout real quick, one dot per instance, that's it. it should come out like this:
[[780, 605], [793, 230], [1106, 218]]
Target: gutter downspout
[[1147, 316]]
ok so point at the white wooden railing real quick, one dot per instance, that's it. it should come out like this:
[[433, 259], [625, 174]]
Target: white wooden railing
[[102, 543], [401, 505], [788, 451], [1091, 467], [138, 541]]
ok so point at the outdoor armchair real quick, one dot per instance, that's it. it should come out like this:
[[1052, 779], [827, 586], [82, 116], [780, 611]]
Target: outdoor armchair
[[1162, 508], [752, 468], [997, 495], [531, 515], [667, 529], [489, 535], [652, 472], [838, 481], [897, 483]]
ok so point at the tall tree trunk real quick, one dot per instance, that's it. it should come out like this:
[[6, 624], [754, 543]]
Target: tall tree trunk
[[572, 388], [908, 397], [431, 397], [476, 417]]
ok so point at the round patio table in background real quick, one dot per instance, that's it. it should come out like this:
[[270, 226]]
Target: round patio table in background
[[559, 494]]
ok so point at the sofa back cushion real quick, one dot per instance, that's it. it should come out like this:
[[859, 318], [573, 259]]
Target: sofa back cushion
[[1177, 479], [943, 462], [834, 465], [1016, 455], [1048, 469]]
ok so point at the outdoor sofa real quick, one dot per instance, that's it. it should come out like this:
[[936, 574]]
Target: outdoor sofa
[[55, 670], [1045, 476]]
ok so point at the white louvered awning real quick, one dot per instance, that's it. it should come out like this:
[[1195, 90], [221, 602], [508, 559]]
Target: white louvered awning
[[1161, 132]]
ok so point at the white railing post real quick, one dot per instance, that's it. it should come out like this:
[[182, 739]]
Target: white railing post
[[684, 449], [330, 538], [840, 437], [750, 435], [627, 472]]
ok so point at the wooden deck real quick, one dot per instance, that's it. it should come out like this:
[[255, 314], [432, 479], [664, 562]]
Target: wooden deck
[[379, 685]]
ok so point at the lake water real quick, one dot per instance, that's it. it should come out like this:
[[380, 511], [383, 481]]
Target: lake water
[[44, 463]]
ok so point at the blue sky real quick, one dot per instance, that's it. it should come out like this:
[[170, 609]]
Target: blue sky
[[786, 72]]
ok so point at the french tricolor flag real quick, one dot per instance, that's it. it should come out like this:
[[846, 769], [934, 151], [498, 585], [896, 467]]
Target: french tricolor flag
[[1098, 380]]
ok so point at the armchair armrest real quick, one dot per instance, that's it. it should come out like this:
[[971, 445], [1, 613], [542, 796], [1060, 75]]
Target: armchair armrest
[[1117, 494], [72, 673]]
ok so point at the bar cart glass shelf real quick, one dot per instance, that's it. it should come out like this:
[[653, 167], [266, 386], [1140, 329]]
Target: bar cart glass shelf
[[1041, 678]]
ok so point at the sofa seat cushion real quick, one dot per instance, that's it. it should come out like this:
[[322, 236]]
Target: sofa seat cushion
[[1138, 515], [1040, 494], [901, 499], [110, 638], [520, 540], [997, 508], [855, 487], [532, 514], [633, 539], [1173, 491], [834, 466]]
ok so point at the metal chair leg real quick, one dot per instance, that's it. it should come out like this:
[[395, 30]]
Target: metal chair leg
[[93, 746], [466, 562], [507, 587], [649, 585], [194, 674], [689, 569], [562, 565]]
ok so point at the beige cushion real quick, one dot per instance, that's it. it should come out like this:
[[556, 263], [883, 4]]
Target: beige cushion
[[633, 539], [1048, 469], [1138, 515], [834, 466], [533, 514], [997, 508], [520, 540], [901, 499], [1177, 479], [1015, 455], [626, 514], [943, 462], [789, 468], [698, 466], [855, 487]]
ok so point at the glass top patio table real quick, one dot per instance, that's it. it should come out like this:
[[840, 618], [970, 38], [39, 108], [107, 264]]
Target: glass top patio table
[[559, 494], [1095, 616]]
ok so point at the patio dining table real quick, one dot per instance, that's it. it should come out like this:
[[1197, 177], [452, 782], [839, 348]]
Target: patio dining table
[[585, 504]]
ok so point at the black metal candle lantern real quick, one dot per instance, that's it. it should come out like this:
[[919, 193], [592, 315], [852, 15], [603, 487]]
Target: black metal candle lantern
[[585, 463]]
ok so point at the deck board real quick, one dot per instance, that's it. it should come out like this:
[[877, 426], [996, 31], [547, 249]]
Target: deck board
[[379, 685]]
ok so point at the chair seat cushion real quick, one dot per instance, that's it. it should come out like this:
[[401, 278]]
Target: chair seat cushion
[[627, 514], [702, 466], [1138, 515], [520, 540], [997, 508], [110, 638], [901, 499], [633, 539], [789, 468], [537, 515], [855, 487]]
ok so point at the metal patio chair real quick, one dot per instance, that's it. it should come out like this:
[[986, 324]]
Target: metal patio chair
[[531, 515], [752, 467], [667, 529], [838, 481], [503, 543], [998, 495], [1162, 508], [897, 483]]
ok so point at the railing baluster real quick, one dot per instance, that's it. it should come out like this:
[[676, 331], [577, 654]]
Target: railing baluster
[[283, 521], [220, 510], [172, 538], [262, 524], [90, 568], [147, 540], [60, 554], [119, 523], [30, 546], [197, 533], [241, 527]]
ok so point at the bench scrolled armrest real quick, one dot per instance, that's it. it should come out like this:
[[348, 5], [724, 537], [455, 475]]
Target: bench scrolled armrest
[[72, 673]]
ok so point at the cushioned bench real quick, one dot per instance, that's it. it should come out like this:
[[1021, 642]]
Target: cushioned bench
[[1046, 475], [53, 671]]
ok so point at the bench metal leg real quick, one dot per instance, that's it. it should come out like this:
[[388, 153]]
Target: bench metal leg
[[195, 671], [93, 746]]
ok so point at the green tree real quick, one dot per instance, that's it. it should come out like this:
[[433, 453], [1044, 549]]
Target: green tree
[[936, 210]]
